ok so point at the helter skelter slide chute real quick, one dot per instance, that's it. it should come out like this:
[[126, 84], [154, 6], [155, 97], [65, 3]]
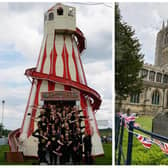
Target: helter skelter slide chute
[[59, 71]]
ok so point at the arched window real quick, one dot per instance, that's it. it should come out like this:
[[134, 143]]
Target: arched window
[[158, 77], [144, 73], [51, 16], [165, 79], [152, 76], [134, 98], [60, 11], [155, 97]]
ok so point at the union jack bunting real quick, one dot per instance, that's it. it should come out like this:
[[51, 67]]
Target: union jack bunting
[[127, 118], [164, 147], [146, 142], [157, 142], [137, 125]]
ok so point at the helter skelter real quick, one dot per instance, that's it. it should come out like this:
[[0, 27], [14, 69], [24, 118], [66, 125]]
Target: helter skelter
[[58, 76]]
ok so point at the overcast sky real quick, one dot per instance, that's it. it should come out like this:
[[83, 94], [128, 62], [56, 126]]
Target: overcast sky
[[21, 32], [146, 19]]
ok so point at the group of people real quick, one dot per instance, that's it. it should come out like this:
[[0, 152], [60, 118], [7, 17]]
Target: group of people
[[62, 138]]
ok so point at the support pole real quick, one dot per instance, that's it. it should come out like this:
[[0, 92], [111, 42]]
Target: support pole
[[3, 103], [117, 130], [121, 141], [130, 143]]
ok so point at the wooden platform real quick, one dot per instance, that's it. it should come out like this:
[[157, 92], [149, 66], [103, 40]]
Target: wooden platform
[[14, 156]]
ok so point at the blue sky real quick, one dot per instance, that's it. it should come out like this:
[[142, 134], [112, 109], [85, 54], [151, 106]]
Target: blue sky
[[21, 35]]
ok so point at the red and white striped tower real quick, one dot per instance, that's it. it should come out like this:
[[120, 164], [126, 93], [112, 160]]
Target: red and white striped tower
[[59, 68]]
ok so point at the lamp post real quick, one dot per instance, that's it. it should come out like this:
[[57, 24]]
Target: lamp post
[[3, 103]]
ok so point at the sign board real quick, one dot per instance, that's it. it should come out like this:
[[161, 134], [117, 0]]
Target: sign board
[[60, 95]]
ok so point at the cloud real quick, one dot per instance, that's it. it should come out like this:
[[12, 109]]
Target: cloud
[[98, 31], [23, 23], [146, 19], [13, 74], [99, 77], [13, 117], [105, 112]]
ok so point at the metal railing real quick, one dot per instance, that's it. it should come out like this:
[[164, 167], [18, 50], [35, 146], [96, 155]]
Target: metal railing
[[119, 133]]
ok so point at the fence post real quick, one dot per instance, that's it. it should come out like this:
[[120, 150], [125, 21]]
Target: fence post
[[117, 129], [130, 142], [121, 141]]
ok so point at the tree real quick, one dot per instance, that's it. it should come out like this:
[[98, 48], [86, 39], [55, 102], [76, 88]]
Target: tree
[[128, 59], [1, 129]]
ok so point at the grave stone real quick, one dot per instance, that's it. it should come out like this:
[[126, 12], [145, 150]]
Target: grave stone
[[160, 124]]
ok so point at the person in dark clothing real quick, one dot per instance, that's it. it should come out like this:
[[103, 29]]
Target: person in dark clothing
[[61, 149], [57, 151], [43, 123], [79, 135], [67, 148], [60, 134], [52, 146], [51, 128], [77, 147], [42, 144], [87, 148]]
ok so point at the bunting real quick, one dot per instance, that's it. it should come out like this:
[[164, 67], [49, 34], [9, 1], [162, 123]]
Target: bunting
[[147, 142], [127, 119], [144, 140]]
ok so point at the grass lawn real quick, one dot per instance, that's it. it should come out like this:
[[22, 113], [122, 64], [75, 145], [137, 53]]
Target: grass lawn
[[141, 155], [5, 148], [107, 158], [103, 160]]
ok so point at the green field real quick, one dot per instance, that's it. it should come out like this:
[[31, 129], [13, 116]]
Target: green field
[[5, 148], [103, 160], [107, 158], [141, 155]]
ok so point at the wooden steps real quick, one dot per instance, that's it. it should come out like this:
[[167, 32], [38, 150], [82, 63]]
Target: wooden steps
[[14, 156]]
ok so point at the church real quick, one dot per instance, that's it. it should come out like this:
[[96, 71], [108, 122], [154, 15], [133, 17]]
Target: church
[[154, 96]]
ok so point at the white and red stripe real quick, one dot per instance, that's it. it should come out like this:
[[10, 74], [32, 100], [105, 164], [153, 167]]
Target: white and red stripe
[[60, 57]]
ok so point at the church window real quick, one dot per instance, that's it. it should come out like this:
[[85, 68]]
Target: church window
[[155, 97], [158, 77], [167, 99], [51, 16], [144, 73], [152, 76], [165, 79], [135, 98]]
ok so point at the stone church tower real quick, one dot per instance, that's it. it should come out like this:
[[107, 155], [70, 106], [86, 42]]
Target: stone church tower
[[154, 96], [161, 52]]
